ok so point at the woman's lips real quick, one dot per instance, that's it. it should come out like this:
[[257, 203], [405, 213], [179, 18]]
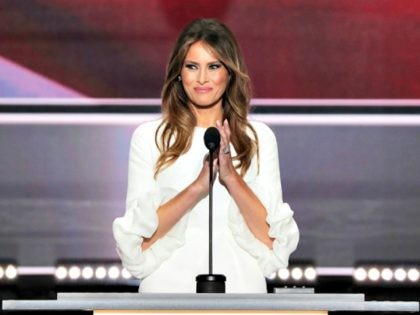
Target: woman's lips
[[202, 89]]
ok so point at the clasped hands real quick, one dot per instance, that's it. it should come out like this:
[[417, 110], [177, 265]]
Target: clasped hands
[[222, 162]]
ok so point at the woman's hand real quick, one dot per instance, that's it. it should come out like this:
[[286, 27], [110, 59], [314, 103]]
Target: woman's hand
[[227, 171], [201, 183]]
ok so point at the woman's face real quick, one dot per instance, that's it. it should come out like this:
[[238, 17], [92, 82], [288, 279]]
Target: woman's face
[[204, 77]]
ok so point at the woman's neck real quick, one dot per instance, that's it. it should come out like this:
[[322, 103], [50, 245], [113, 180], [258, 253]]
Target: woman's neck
[[207, 117]]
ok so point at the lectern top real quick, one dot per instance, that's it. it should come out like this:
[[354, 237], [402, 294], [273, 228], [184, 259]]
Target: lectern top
[[253, 302]]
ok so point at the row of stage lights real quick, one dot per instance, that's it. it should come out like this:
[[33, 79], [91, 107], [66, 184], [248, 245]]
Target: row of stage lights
[[370, 274], [72, 273], [91, 273], [68, 273], [385, 274], [298, 274]]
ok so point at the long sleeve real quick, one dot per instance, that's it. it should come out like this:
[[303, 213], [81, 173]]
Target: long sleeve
[[144, 196], [266, 185]]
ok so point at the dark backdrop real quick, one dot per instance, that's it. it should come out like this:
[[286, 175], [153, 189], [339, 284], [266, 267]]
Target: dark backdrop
[[294, 49]]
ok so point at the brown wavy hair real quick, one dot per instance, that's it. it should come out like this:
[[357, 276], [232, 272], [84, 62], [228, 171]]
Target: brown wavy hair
[[174, 135]]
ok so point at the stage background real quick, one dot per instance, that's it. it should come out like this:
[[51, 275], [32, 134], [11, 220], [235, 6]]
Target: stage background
[[354, 189]]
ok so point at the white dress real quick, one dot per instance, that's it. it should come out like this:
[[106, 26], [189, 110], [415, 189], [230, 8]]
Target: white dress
[[172, 263]]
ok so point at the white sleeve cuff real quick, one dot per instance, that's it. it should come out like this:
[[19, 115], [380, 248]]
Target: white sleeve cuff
[[283, 229], [139, 221]]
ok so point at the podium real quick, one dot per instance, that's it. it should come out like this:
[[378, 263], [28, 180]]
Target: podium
[[285, 302]]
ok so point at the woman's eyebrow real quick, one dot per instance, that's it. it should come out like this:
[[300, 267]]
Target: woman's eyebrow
[[197, 63]]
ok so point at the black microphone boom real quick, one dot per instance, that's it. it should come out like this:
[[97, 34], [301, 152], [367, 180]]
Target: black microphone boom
[[211, 283]]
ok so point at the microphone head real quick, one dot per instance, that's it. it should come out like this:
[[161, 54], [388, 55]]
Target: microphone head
[[212, 138]]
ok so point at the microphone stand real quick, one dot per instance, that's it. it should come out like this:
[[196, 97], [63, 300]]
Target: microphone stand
[[211, 212], [211, 283]]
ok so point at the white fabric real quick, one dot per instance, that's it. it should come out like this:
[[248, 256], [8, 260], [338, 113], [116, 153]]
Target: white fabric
[[172, 263]]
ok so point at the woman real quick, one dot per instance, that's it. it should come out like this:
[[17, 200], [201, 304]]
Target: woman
[[162, 238]]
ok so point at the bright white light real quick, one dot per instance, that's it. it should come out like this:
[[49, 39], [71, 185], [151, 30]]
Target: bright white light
[[413, 275], [74, 272], [1, 272], [374, 274], [113, 272], [400, 274], [284, 274], [360, 274], [310, 273], [125, 274], [272, 276], [297, 273], [100, 272], [387, 274], [11, 272], [61, 273], [87, 272]]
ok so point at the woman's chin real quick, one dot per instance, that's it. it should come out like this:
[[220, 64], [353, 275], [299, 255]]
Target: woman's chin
[[205, 104]]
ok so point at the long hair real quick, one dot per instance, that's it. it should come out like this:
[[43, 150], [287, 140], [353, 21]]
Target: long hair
[[174, 135]]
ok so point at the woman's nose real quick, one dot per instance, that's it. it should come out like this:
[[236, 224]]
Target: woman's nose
[[202, 76]]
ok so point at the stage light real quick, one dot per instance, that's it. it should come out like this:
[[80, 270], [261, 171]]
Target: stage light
[[360, 274], [310, 273], [400, 274], [113, 272], [297, 273], [272, 276], [284, 274], [125, 274], [61, 272], [413, 275], [74, 273], [387, 274], [374, 274], [100, 272], [8, 272], [87, 272], [11, 272]]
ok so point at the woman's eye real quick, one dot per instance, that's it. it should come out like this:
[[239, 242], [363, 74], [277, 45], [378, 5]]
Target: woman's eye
[[215, 66], [191, 66]]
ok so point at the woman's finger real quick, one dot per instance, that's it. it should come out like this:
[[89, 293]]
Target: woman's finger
[[223, 139], [227, 129]]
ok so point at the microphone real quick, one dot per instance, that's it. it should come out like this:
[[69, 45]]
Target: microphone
[[211, 283], [212, 138]]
